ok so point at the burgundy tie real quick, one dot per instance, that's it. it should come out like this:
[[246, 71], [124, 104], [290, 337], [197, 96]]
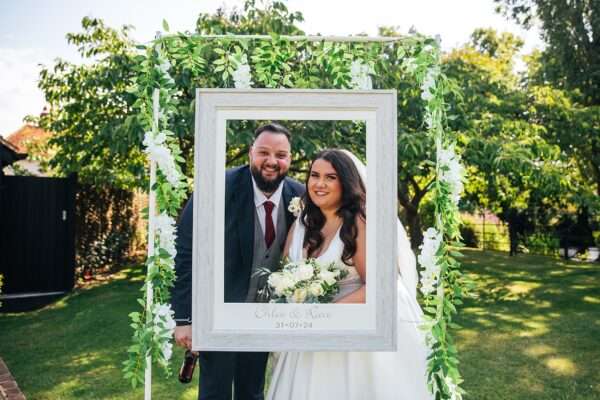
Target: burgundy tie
[[269, 227]]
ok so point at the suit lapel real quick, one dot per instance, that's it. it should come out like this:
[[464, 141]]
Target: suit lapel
[[245, 225]]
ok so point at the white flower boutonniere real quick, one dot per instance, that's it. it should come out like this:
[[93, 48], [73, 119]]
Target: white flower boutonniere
[[295, 206]]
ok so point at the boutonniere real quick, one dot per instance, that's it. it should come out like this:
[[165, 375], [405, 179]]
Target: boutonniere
[[295, 206]]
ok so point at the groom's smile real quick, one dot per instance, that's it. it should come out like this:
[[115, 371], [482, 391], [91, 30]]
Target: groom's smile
[[270, 158]]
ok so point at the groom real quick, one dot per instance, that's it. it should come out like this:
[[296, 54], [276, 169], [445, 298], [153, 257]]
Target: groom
[[256, 224]]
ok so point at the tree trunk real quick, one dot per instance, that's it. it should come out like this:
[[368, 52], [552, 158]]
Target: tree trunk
[[512, 237]]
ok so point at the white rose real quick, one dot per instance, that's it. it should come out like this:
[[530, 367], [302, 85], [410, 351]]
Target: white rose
[[298, 296], [295, 206], [275, 278], [329, 276], [281, 281], [303, 272], [316, 289]]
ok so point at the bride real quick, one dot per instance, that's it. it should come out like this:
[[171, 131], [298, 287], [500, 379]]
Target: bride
[[332, 227]]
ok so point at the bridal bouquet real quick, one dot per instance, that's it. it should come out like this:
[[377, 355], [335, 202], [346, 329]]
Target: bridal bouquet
[[306, 281]]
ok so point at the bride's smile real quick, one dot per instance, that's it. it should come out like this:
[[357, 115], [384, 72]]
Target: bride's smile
[[324, 187]]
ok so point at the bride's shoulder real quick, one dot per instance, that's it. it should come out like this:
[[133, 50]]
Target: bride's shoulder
[[360, 222]]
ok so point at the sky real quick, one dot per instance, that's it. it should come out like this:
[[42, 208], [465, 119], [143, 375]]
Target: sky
[[32, 32]]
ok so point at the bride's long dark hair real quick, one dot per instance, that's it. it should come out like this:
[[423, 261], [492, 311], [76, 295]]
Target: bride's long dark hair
[[352, 205]]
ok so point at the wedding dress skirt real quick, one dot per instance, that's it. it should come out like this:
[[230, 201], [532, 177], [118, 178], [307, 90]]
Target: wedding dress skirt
[[399, 375]]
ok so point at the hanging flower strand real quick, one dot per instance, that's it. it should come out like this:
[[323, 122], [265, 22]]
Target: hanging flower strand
[[360, 76], [242, 78], [154, 326], [441, 281]]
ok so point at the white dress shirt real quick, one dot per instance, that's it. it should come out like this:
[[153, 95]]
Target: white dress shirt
[[259, 201]]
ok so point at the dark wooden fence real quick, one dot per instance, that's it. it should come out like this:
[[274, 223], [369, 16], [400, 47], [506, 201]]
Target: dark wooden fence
[[37, 239]]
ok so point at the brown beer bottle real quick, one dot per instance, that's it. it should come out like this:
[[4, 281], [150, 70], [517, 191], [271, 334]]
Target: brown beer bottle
[[186, 373]]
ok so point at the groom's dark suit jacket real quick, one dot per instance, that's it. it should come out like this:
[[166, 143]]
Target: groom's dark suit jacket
[[239, 240]]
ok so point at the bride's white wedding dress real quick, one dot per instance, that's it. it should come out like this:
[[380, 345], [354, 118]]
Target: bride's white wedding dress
[[355, 375]]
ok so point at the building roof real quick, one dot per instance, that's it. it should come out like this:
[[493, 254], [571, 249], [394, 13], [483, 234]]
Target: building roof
[[9, 153], [27, 135]]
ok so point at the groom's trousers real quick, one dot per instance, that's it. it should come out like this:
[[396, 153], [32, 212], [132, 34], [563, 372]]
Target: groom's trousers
[[218, 370]]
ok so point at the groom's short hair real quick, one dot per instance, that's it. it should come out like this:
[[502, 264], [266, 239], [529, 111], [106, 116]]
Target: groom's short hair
[[274, 128]]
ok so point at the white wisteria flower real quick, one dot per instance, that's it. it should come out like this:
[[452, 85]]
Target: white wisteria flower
[[152, 140], [453, 388], [451, 171], [167, 350], [163, 314], [360, 76], [164, 66], [428, 48], [410, 64], [429, 260], [295, 206], [242, 78], [158, 152], [428, 120], [166, 231], [164, 326], [428, 84]]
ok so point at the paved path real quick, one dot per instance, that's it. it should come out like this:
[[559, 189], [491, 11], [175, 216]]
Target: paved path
[[9, 389]]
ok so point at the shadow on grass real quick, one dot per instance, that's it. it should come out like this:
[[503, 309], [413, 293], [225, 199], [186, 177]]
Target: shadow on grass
[[74, 349], [532, 329], [531, 333]]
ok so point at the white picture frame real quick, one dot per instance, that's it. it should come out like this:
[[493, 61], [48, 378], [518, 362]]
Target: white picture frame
[[220, 326]]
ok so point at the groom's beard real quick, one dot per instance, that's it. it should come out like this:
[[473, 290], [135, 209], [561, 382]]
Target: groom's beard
[[266, 185]]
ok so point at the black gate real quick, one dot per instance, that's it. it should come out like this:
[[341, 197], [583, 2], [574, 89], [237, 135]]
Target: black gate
[[37, 239]]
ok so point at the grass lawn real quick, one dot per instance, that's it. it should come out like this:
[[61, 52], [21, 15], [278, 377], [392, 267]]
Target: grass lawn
[[533, 332]]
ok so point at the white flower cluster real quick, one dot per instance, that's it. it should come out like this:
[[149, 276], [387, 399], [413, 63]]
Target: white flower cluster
[[410, 64], [429, 261], [242, 78], [159, 152], [360, 76], [295, 206], [306, 282], [428, 85], [166, 230], [453, 388], [452, 171], [164, 326], [164, 68]]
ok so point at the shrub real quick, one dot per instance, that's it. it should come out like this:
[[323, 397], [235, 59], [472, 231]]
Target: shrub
[[542, 243], [467, 231]]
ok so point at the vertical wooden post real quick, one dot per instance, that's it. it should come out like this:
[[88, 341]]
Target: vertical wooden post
[[151, 228]]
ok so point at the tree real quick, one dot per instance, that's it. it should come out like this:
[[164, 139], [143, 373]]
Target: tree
[[89, 105], [571, 63], [571, 30], [97, 116], [512, 168]]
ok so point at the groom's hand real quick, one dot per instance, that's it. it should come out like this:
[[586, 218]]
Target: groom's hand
[[183, 336]]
